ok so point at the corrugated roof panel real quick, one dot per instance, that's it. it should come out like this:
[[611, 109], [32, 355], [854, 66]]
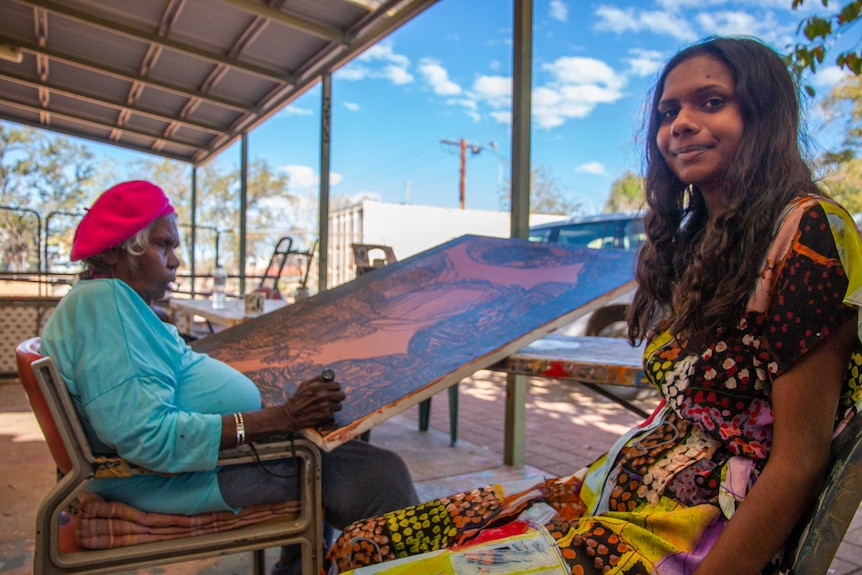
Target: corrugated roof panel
[[219, 59]]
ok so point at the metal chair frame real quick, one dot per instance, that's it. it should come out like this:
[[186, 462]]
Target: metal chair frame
[[813, 549], [306, 529]]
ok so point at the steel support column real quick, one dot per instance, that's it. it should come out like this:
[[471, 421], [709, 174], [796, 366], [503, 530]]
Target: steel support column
[[325, 146], [522, 74]]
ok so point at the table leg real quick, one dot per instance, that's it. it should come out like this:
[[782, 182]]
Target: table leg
[[516, 411], [184, 321]]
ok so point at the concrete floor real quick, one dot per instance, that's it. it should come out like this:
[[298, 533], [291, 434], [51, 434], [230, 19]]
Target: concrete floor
[[567, 427]]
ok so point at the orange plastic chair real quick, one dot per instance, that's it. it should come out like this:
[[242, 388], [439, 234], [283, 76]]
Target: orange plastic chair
[[57, 553]]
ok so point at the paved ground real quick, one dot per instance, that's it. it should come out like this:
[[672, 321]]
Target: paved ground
[[567, 427]]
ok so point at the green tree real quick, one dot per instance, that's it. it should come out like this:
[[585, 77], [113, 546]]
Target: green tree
[[842, 169], [269, 213], [627, 194], [843, 181], [844, 103], [547, 196], [40, 174], [820, 33]]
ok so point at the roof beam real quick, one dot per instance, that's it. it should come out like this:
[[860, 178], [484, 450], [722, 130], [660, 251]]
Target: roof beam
[[363, 34], [129, 32], [21, 80], [123, 75], [295, 22], [98, 123], [368, 30], [76, 134]]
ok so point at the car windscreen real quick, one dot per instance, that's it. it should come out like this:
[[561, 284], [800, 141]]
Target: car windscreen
[[595, 235]]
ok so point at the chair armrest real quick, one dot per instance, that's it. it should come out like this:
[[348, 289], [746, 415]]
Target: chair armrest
[[269, 450], [105, 467]]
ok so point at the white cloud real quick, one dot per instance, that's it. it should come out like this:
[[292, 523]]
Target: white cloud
[[558, 10], [829, 76], [596, 168], [352, 106], [398, 76], [576, 86], [496, 91], [736, 23], [678, 4], [384, 51], [361, 196], [354, 72], [438, 78], [306, 178], [379, 61], [645, 62], [503, 117], [471, 107], [582, 71], [297, 111], [613, 19]]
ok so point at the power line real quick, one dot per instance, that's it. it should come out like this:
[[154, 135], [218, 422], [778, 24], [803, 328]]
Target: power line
[[464, 146]]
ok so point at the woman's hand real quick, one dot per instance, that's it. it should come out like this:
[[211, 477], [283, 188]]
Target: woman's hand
[[313, 403]]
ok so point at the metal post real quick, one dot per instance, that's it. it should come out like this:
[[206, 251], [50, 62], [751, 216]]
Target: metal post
[[47, 235], [325, 144], [522, 59], [522, 79], [243, 206], [194, 227], [39, 244]]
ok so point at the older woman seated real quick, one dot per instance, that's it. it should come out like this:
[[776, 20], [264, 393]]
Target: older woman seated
[[143, 394]]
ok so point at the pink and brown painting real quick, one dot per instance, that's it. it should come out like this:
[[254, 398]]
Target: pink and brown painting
[[405, 331]]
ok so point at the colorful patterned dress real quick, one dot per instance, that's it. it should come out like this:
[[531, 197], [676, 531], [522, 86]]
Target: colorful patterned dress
[[657, 501]]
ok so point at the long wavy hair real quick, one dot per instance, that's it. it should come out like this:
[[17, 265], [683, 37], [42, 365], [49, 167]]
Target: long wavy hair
[[695, 276]]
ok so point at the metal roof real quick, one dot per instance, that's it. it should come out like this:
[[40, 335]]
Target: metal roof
[[181, 79]]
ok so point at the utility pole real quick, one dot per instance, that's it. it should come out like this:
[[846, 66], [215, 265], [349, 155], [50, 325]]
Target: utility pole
[[463, 146]]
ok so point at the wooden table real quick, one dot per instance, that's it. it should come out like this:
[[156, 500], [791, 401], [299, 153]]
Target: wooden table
[[233, 313], [595, 362]]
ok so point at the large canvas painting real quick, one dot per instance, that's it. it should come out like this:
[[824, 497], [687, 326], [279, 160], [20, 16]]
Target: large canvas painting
[[405, 331]]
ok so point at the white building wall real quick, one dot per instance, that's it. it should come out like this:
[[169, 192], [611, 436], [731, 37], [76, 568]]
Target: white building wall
[[408, 229]]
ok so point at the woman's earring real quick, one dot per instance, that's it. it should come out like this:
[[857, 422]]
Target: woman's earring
[[687, 194]]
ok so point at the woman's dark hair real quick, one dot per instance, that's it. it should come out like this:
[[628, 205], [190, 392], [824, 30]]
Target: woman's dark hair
[[697, 277]]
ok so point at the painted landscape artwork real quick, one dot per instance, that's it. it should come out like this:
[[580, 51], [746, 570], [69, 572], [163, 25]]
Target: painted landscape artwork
[[405, 331]]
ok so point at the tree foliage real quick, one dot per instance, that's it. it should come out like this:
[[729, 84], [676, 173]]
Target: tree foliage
[[46, 179], [547, 196], [844, 102], [843, 168], [40, 176], [627, 194], [820, 33], [269, 213]]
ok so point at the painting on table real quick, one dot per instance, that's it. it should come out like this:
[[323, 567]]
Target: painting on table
[[403, 332]]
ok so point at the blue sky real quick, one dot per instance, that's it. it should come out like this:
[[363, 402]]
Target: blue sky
[[447, 75]]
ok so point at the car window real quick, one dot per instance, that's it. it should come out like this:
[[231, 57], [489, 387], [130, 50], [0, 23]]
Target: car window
[[633, 234], [595, 235], [543, 235], [619, 234]]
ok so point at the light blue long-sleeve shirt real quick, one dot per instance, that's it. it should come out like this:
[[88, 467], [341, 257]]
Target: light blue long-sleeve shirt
[[144, 394]]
